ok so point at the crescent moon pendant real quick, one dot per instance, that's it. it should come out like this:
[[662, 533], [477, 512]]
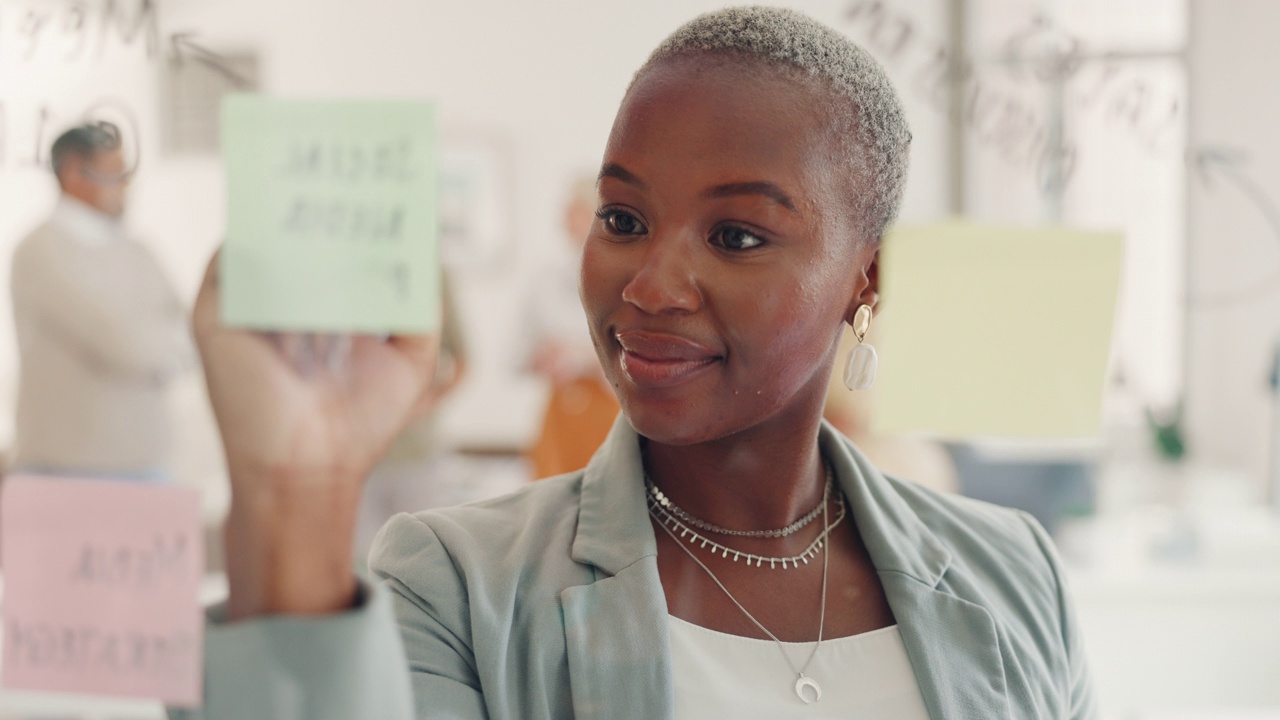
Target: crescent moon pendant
[[807, 682]]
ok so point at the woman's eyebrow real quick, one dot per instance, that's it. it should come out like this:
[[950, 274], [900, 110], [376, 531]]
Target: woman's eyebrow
[[616, 171], [759, 187]]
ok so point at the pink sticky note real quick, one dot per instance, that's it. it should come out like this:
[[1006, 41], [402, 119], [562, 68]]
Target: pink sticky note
[[101, 588]]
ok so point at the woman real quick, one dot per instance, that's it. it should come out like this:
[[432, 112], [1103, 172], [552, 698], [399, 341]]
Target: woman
[[753, 166]]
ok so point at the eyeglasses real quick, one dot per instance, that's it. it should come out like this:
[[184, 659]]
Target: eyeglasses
[[107, 178]]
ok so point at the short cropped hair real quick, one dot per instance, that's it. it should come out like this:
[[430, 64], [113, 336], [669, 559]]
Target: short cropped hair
[[870, 123], [83, 142]]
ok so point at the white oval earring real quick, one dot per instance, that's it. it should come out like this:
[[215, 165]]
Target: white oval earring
[[860, 367]]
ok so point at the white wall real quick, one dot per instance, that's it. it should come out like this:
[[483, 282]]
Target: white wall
[[1235, 104]]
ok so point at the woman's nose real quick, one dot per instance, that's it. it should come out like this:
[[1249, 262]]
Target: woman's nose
[[666, 281]]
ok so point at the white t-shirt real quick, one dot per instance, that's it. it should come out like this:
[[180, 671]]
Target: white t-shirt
[[862, 677]]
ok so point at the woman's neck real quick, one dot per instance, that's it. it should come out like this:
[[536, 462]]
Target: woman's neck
[[758, 479]]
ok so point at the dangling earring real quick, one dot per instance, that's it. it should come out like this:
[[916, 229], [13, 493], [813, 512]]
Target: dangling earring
[[860, 367]]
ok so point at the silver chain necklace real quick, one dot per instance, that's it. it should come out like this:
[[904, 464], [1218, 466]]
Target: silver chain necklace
[[802, 681], [683, 515], [670, 521]]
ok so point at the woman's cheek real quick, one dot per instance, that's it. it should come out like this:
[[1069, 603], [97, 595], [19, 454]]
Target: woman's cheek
[[593, 280], [797, 341], [602, 279]]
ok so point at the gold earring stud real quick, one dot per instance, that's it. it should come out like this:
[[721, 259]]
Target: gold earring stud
[[862, 322]]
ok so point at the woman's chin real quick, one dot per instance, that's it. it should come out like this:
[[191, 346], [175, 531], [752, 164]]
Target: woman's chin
[[671, 426]]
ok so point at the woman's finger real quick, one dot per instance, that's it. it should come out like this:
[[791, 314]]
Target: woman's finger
[[204, 316], [422, 352]]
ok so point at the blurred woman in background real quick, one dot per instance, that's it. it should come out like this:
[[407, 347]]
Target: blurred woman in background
[[581, 407]]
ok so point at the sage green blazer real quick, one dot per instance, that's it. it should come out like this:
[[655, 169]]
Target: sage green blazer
[[547, 604]]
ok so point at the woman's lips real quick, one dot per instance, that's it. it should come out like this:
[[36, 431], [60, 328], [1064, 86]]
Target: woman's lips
[[659, 360]]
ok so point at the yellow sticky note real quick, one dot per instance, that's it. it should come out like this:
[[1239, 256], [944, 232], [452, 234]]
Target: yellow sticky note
[[995, 331]]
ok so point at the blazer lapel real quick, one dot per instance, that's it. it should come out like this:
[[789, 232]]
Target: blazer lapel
[[615, 628], [954, 650], [618, 648], [952, 643]]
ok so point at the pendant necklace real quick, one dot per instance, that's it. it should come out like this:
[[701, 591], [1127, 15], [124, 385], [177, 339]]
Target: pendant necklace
[[807, 689]]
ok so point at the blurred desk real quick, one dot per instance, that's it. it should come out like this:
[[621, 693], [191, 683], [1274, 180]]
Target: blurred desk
[[1226, 714], [1187, 639], [18, 705], [1181, 612]]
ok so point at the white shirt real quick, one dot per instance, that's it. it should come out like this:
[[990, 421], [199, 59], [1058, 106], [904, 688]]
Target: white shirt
[[100, 334], [862, 677], [85, 224]]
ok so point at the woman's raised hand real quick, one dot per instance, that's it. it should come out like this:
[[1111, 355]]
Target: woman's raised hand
[[303, 420]]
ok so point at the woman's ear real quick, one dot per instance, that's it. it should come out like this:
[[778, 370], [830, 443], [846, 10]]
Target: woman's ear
[[867, 285]]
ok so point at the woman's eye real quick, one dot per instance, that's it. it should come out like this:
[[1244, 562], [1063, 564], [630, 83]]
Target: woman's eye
[[621, 223], [735, 238]]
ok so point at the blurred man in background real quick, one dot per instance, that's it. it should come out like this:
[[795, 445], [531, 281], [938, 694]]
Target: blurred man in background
[[101, 333]]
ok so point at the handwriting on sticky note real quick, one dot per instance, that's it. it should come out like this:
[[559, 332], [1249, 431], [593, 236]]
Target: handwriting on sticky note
[[387, 163], [995, 331], [101, 583], [331, 216]]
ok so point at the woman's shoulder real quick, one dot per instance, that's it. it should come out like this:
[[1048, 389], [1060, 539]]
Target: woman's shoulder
[[953, 513], [1002, 560], [986, 541], [533, 527]]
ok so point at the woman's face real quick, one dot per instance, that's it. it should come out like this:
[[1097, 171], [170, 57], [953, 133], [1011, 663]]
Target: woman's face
[[722, 261]]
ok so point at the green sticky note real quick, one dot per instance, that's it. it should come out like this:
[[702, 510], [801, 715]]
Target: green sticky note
[[994, 331], [331, 216]]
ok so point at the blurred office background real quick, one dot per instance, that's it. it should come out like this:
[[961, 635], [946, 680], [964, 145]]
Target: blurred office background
[[1155, 118]]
